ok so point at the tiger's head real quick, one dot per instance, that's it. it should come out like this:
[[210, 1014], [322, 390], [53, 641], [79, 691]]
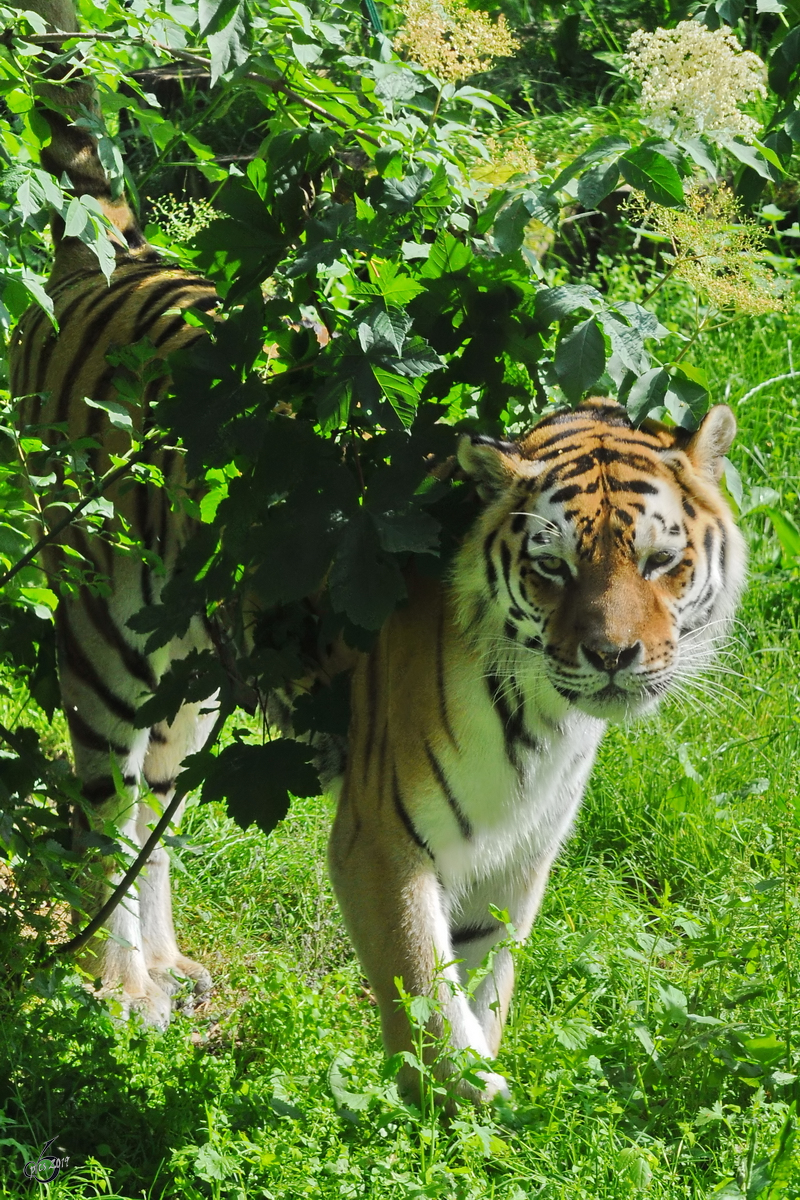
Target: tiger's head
[[605, 559]]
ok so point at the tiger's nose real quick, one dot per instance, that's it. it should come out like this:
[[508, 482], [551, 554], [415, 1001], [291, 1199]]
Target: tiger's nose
[[604, 657]]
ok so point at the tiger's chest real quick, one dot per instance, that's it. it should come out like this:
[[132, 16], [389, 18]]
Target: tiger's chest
[[504, 789]]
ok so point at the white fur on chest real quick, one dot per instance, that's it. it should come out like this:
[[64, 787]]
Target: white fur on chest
[[519, 806]]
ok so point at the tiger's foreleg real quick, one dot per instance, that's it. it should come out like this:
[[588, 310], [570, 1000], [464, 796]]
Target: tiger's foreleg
[[482, 944], [394, 909]]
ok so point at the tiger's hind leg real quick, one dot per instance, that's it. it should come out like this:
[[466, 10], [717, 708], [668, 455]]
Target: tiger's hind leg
[[104, 679], [169, 745]]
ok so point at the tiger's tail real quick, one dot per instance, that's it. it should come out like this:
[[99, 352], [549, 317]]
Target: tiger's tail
[[72, 112]]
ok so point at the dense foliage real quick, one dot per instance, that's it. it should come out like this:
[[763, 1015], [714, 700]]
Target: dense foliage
[[400, 256]]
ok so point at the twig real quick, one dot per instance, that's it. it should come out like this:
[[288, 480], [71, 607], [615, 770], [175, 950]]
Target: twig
[[121, 890], [193, 56], [92, 494]]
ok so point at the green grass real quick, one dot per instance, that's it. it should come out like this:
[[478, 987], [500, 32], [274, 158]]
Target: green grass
[[654, 1041]]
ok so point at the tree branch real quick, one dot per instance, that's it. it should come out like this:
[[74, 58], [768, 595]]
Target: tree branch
[[94, 492], [122, 888], [193, 56]]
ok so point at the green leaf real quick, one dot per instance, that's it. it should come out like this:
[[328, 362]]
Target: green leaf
[[787, 533], [446, 256], [342, 1094], [626, 342], [604, 147], [580, 358], [647, 393], [230, 45], [700, 153], [792, 125], [552, 304], [651, 172], [411, 530], [686, 400], [784, 63], [117, 413], [365, 583], [751, 156], [597, 183], [256, 781], [509, 228], [214, 15]]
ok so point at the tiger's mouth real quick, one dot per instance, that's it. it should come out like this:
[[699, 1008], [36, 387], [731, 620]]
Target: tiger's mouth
[[612, 702]]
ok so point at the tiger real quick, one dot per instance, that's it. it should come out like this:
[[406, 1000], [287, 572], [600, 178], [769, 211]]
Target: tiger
[[602, 566]]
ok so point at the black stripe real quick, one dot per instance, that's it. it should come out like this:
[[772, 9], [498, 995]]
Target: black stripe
[[565, 493], [161, 787], [83, 733], [511, 720], [447, 792], [505, 560], [81, 666], [400, 809], [440, 680], [102, 310], [491, 571], [103, 788], [640, 486], [158, 737], [155, 304], [471, 933], [176, 325], [135, 663]]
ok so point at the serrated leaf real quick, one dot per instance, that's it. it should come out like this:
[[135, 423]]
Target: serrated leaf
[[342, 1094], [552, 304], [365, 583], [580, 358], [213, 15], [230, 45], [647, 393], [626, 342], [651, 172], [399, 86], [686, 400], [256, 781]]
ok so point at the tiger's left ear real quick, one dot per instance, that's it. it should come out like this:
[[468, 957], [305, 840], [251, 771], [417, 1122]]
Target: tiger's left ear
[[711, 442], [490, 463]]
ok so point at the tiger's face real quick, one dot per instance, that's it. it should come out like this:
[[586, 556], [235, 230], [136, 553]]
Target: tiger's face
[[606, 558]]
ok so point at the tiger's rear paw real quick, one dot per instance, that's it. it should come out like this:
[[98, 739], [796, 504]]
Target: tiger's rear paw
[[186, 982], [148, 1000]]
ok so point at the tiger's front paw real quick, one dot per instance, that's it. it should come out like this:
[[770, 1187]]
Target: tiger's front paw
[[494, 1085]]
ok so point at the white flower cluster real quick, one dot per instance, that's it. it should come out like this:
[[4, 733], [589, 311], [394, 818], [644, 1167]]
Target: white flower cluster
[[695, 80]]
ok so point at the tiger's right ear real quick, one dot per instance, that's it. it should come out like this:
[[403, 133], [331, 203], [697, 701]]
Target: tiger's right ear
[[491, 464]]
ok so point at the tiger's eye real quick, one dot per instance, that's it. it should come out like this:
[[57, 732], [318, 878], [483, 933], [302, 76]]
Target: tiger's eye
[[549, 562], [660, 559]]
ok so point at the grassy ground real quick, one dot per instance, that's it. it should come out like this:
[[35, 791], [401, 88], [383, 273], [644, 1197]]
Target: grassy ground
[[654, 1040]]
